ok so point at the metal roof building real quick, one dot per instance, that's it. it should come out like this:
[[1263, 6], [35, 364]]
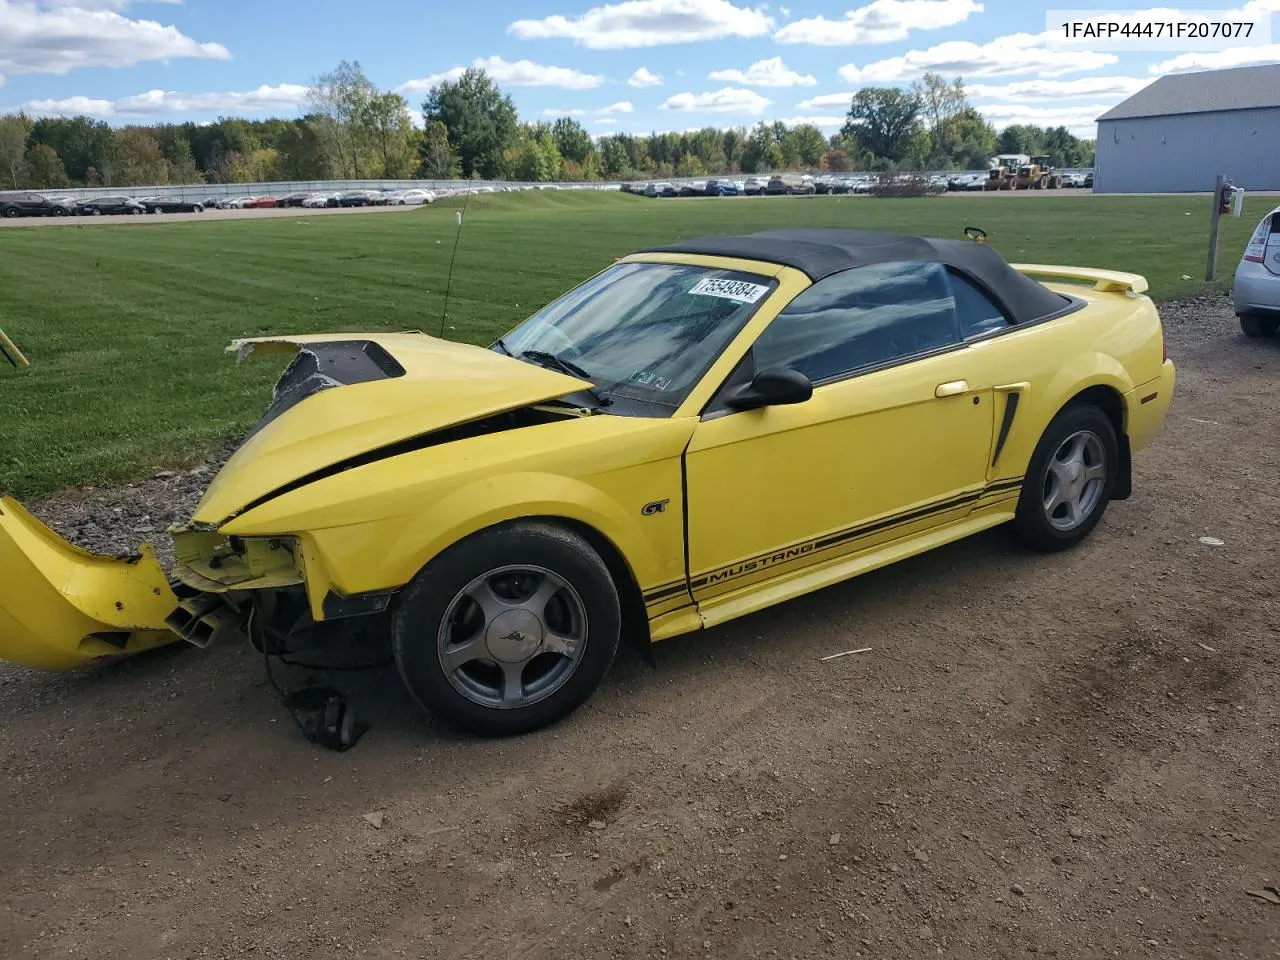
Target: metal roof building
[[1174, 135]]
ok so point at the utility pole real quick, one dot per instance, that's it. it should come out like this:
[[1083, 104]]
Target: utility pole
[[1218, 182]]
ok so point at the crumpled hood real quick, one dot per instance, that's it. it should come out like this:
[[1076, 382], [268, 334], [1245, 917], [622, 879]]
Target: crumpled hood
[[341, 404]]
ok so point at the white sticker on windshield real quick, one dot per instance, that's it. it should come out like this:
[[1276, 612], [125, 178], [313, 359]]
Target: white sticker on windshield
[[738, 290]]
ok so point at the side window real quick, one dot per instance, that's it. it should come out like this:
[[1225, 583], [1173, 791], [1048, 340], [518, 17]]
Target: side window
[[977, 313], [862, 318]]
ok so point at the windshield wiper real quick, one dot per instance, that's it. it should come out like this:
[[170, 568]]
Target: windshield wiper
[[544, 359], [503, 347]]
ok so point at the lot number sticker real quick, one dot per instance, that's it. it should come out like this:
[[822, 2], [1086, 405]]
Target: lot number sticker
[[729, 290]]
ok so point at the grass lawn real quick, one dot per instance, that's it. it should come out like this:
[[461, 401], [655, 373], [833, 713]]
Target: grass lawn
[[125, 325]]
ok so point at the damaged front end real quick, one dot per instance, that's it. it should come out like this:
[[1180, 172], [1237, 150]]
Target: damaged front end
[[63, 608], [345, 401]]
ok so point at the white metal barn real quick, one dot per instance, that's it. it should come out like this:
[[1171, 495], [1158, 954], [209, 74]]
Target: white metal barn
[[1174, 135]]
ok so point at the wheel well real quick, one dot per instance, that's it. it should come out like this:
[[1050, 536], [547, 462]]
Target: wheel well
[[1110, 402], [635, 619]]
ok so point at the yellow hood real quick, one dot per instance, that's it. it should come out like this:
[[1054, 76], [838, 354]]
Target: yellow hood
[[443, 384]]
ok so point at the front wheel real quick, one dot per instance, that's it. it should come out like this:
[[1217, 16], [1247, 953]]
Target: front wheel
[[1253, 325], [509, 630], [1069, 481]]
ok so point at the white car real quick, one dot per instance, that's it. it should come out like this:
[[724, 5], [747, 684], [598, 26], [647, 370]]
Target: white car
[[1256, 291], [318, 200], [410, 198]]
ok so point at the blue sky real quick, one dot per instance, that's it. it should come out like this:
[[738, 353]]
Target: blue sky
[[635, 65]]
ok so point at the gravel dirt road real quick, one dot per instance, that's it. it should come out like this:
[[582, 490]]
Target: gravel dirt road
[[1072, 756]]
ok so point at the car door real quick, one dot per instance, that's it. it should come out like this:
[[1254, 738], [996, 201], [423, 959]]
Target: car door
[[894, 441]]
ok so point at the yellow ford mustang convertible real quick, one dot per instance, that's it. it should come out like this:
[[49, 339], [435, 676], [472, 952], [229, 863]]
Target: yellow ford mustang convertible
[[699, 431]]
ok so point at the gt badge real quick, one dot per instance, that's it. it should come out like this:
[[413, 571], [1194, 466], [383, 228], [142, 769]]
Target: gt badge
[[657, 506]]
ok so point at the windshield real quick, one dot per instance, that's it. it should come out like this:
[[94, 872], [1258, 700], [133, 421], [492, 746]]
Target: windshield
[[644, 331]]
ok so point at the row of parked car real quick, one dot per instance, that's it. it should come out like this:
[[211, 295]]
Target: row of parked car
[[41, 205], [797, 183]]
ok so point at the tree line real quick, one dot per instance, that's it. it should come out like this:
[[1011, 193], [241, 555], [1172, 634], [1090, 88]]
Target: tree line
[[470, 128]]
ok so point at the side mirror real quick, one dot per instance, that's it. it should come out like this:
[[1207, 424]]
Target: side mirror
[[771, 388]]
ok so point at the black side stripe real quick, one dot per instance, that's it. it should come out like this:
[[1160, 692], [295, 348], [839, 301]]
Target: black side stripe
[[1010, 408], [752, 564], [665, 593]]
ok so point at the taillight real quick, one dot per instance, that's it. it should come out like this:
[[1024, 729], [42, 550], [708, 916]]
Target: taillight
[[1252, 259]]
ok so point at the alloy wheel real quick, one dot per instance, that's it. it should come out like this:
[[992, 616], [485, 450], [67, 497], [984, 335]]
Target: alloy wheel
[[1074, 480], [512, 636]]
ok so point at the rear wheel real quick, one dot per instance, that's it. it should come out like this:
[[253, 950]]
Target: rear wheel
[[1254, 325], [1069, 481], [509, 630], [11, 212]]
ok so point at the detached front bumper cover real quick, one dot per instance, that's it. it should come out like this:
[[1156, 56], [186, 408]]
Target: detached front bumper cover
[[62, 607]]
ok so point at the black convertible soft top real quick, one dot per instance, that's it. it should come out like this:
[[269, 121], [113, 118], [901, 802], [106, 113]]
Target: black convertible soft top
[[820, 253]]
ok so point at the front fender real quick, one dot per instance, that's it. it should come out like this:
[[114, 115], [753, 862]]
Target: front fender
[[373, 528], [389, 553]]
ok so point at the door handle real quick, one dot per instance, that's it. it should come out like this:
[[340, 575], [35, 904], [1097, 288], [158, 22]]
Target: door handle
[[953, 389]]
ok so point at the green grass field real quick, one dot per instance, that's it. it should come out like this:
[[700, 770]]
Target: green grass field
[[125, 325]]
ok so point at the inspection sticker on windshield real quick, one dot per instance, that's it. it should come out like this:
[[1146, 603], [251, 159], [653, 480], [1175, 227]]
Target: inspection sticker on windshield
[[729, 290]]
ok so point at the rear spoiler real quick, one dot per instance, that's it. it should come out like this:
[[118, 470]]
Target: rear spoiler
[[1105, 281]]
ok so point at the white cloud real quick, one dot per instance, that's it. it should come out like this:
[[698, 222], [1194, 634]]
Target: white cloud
[[102, 4], [785, 11], [822, 101], [38, 39], [1034, 91], [622, 106], [824, 121], [1218, 59], [1004, 56], [648, 23], [70, 107], [605, 121], [424, 85], [282, 98], [643, 78], [521, 73], [526, 73], [564, 113], [881, 21], [726, 100], [766, 73], [1079, 120]]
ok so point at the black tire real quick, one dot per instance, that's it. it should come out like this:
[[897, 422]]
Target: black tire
[[1254, 325], [1031, 524], [11, 212], [424, 603], [197, 209], [59, 211]]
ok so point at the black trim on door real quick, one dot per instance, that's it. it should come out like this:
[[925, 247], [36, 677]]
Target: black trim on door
[[1010, 411]]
